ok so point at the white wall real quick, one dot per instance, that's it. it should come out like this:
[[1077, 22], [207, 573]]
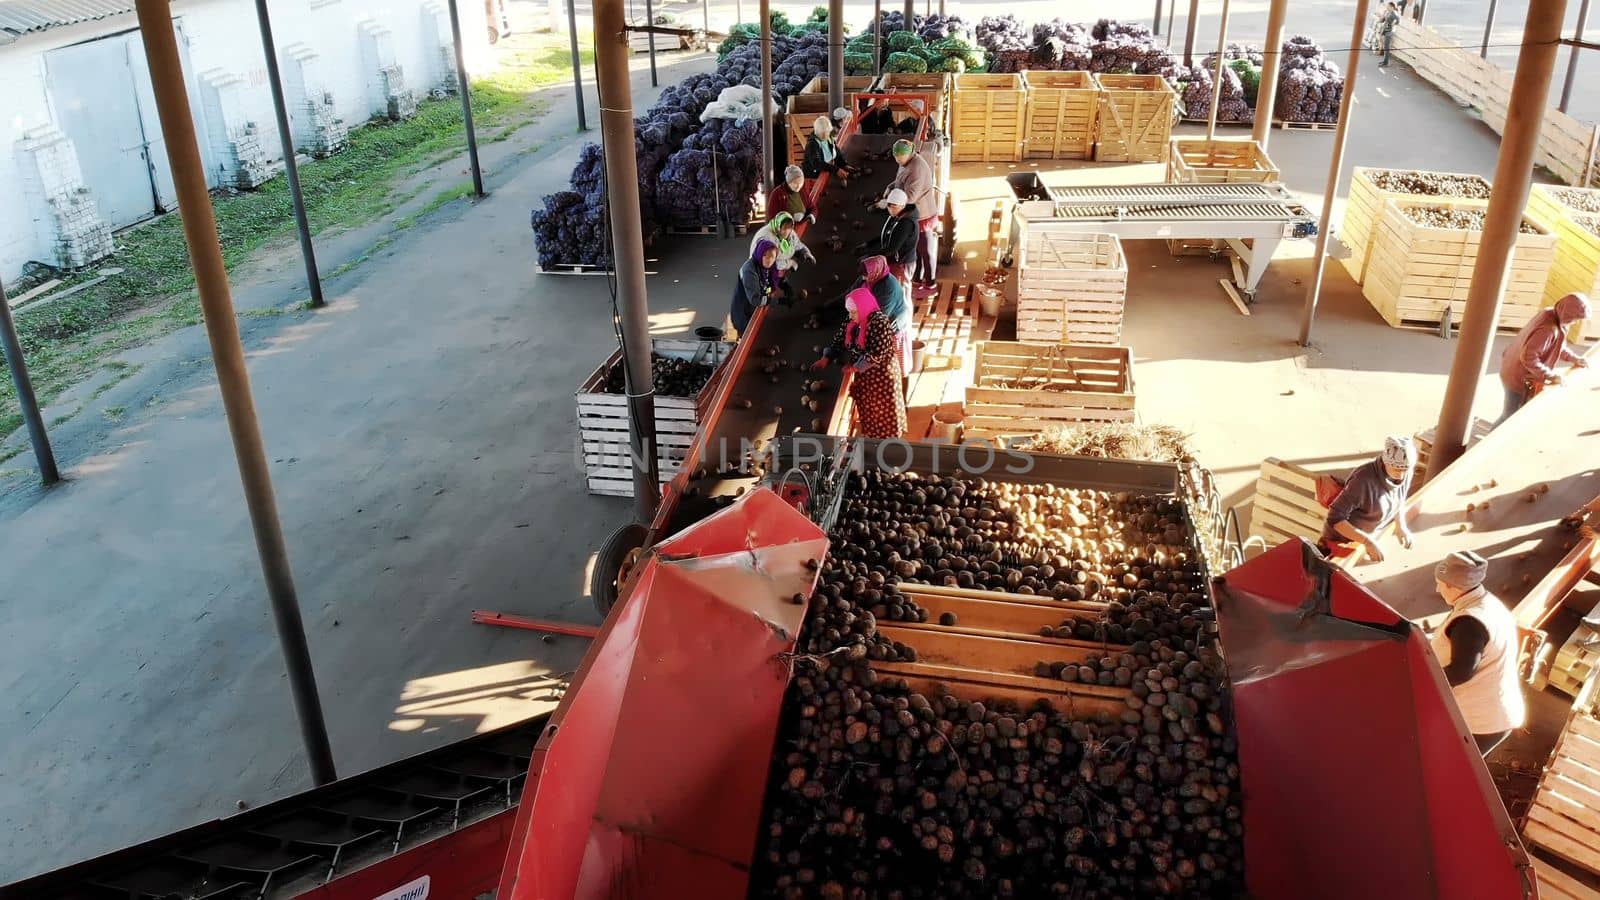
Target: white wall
[[222, 36]]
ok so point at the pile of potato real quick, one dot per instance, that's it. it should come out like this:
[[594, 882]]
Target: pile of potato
[[879, 791]]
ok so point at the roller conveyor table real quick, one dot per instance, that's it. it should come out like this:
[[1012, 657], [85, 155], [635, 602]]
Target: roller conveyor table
[[1249, 219]]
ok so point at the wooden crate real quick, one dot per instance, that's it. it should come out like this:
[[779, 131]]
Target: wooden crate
[[1577, 263], [1418, 274], [1576, 659], [1361, 212], [934, 86], [1020, 390], [1424, 441], [1564, 817], [943, 323], [1062, 107], [1229, 161], [1134, 119], [988, 117], [1072, 290], [853, 85], [799, 114], [1285, 506], [603, 418]]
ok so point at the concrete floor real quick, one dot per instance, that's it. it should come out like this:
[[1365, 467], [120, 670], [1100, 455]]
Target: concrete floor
[[421, 429]]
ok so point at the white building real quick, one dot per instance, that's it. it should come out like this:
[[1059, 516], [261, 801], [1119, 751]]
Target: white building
[[81, 151]]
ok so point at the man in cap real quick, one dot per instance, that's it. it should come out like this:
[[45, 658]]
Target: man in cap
[[1373, 496], [1528, 363], [915, 178], [897, 239], [1477, 648]]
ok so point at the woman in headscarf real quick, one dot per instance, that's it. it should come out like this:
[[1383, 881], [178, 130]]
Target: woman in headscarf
[[866, 345], [790, 197], [891, 297], [822, 154], [756, 286], [781, 231]]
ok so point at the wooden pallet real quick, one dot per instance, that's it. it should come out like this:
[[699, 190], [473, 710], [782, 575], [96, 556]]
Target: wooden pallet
[[573, 269], [988, 117], [1226, 161], [1576, 660], [1221, 123], [1073, 289], [603, 418], [1419, 273], [1564, 816], [1558, 884], [1424, 441], [1576, 268], [1062, 107], [1285, 505], [1020, 390], [1306, 126], [1134, 120], [1361, 213], [943, 323]]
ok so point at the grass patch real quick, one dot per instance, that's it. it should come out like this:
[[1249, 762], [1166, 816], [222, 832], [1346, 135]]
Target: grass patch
[[71, 338], [114, 413]]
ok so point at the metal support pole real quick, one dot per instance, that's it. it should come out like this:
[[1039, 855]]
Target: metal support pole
[[1271, 61], [26, 401], [1341, 137], [877, 37], [650, 36], [233, 378], [1157, 29], [627, 246], [911, 17], [1572, 61], [705, 19], [1188, 35], [577, 62], [766, 97], [835, 54], [1488, 27], [1216, 87], [466, 101], [941, 7], [1172, 13], [1513, 175], [291, 169]]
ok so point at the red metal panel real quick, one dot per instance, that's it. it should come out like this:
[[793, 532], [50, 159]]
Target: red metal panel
[[458, 866], [649, 780], [1359, 779]]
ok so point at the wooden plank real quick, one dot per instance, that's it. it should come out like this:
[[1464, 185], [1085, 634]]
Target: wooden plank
[[1556, 884], [1077, 701], [990, 652], [1563, 837]]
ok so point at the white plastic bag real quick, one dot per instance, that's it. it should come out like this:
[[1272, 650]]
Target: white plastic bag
[[740, 102]]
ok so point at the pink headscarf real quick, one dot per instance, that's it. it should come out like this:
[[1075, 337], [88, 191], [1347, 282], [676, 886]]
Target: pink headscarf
[[874, 268], [863, 304]]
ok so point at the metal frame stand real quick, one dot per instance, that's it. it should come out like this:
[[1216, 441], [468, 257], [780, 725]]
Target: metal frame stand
[[466, 100], [291, 168], [43, 454]]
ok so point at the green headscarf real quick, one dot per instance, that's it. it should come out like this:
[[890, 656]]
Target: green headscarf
[[785, 245]]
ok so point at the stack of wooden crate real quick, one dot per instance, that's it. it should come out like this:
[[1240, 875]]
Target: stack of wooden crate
[[1072, 289], [1567, 212], [799, 115], [1361, 212], [1061, 114], [1418, 273], [932, 87], [603, 418], [988, 117], [1134, 120], [1020, 390], [1226, 161]]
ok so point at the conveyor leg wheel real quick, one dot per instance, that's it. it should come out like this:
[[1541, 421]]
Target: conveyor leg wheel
[[613, 563]]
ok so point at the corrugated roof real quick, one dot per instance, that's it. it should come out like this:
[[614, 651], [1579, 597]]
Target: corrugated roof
[[20, 17]]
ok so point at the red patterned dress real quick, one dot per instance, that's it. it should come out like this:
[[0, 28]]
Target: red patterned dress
[[875, 390]]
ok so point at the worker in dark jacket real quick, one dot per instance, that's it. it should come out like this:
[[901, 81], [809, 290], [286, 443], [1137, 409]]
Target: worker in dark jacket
[[790, 196], [1387, 20], [1371, 498], [1477, 647], [1528, 364], [823, 153], [897, 239], [758, 284]]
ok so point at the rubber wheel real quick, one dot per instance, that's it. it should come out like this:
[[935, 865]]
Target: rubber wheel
[[613, 563]]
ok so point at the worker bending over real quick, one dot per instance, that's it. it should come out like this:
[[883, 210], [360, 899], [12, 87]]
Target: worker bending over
[[1477, 648], [915, 178], [790, 197], [897, 239], [1528, 363], [822, 153], [866, 345], [756, 286], [781, 232], [1373, 496], [892, 300]]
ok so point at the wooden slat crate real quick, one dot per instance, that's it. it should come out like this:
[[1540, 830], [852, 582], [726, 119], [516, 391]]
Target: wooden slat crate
[[603, 418], [1072, 290], [1417, 272], [988, 117], [1134, 119], [1285, 506], [943, 323], [1424, 442], [1230, 161], [1575, 660], [1062, 107], [1577, 264], [1557, 884], [935, 86], [1564, 816], [1361, 211], [799, 114], [1020, 390], [853, 85]]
